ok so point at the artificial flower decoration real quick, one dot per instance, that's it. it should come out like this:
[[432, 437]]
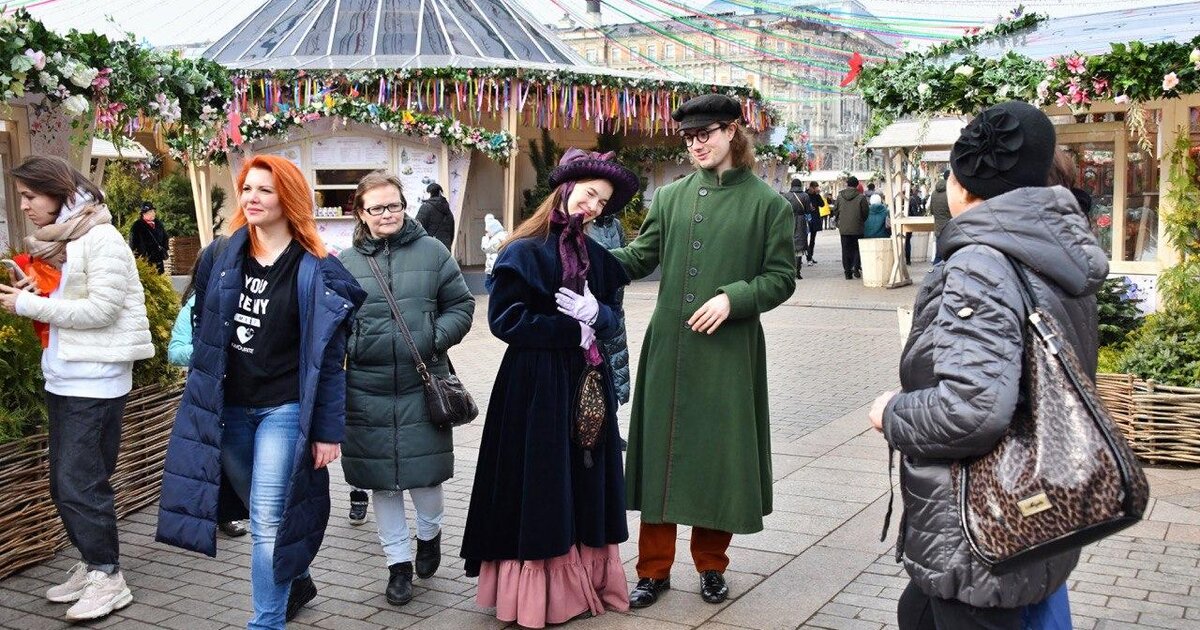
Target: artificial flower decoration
[[988, 146]]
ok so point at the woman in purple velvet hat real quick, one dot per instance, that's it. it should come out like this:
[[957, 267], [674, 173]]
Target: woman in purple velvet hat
[[546, 514]]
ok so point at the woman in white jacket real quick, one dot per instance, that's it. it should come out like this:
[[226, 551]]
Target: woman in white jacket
[[96, 312]]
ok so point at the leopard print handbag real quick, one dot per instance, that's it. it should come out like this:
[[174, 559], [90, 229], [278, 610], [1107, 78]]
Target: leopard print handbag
[[591, 410], [1063, 476]]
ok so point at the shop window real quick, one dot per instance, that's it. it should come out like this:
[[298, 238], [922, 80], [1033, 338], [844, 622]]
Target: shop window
[[1094, 164], [1142, 198]]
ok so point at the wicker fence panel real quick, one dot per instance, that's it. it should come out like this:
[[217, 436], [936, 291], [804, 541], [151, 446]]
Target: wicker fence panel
[[1161, 422], [30, 530], [182, 254]]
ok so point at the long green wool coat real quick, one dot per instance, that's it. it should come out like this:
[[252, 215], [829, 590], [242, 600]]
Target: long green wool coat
[[699, 442]]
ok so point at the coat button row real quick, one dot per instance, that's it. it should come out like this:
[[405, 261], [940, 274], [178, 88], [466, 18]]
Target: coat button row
[[695, 244], [699, 218], [703, 192], [693, 271], [691, 297]]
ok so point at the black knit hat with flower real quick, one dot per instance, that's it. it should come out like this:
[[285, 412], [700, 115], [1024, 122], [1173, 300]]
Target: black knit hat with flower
[[1006, 147]]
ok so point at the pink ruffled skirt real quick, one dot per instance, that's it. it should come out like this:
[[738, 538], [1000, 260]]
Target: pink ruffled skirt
[[534, 593]]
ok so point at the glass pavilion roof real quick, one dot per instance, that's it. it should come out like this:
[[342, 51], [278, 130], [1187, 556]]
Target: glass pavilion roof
[[1095, 32], [362, 34]]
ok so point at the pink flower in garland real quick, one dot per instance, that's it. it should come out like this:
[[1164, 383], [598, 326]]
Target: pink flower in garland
[[101, 81], [107, 115], [1105, 221], [1051, 64], [1063, 100], [1076, 64], [1170, 81], [1099, 86]]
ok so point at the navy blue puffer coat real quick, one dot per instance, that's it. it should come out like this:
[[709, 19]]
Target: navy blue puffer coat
[[188, 513]]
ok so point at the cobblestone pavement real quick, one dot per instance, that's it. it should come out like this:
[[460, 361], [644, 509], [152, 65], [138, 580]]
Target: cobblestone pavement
[[817, 564]]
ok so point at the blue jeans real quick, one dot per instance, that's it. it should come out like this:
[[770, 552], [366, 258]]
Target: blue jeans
[[257, 454]]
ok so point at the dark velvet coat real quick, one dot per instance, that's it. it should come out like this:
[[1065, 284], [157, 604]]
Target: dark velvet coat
[[192, 477], [533, 497]]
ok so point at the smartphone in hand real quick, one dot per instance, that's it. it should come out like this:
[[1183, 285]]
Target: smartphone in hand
[[15, 273]]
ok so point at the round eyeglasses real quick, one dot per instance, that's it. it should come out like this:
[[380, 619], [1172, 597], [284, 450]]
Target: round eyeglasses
[[701, 135]]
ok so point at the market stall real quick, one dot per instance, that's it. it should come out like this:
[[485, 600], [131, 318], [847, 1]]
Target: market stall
[[433, 96], [1117, 108]]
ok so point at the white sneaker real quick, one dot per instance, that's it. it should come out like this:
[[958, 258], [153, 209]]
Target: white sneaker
[[103, 594], [72, 589]]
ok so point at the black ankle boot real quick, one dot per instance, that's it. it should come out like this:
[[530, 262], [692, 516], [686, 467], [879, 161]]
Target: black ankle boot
[[302, 591], [429, 556], [399, 589], [799, 265]]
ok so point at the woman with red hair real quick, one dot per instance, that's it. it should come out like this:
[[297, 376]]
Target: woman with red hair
[[263, 411]]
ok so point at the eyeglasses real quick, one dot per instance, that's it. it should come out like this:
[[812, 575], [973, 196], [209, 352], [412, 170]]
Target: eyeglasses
[[701, 135], [394, 208]]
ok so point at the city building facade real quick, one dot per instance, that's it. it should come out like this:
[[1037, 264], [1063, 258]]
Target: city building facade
[[786, 57]]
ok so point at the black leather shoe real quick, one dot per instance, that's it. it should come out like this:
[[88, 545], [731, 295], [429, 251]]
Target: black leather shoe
[[849, 275], [858, 273], [713, 588], [429, 556], [647, 591], [303, 591], [233, 529], [399, 589]]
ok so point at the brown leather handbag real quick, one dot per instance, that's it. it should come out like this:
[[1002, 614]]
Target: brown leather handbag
[[1063, 476], [447, 399]]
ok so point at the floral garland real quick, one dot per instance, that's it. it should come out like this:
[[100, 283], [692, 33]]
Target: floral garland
[[126, 86], [1129, 73], [496, 145], [610, 104]]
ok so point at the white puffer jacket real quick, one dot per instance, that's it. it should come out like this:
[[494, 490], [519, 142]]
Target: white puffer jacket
[[101, 314]]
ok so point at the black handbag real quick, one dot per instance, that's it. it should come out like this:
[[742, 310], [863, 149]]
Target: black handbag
[[1063, 475], [447, 399]]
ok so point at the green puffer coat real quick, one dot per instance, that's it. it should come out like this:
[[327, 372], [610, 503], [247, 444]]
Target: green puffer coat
[[390, 444]]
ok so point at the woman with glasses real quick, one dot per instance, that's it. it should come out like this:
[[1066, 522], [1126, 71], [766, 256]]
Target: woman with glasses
[[391, 446]]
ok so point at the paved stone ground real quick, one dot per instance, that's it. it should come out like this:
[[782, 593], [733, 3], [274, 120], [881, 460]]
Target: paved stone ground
[[818, 563]]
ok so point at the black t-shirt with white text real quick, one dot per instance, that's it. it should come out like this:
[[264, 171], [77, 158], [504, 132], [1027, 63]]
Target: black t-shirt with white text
[[264, 353]]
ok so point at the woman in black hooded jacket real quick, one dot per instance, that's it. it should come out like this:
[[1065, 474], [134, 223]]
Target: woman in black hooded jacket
[[961, 369]]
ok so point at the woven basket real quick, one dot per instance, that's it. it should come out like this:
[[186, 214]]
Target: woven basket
[[30, 530], [183, 251], [1161, 422]]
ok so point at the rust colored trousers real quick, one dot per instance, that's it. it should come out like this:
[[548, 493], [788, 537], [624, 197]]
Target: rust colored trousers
[[656, 550]]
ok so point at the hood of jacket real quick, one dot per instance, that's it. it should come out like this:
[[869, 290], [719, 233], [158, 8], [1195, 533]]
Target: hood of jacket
[[409, 232], [940, 186], [849, 194], [1041, 227], [798, 188]]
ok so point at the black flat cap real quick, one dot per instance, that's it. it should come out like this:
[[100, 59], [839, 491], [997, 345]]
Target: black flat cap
[[707, 109]]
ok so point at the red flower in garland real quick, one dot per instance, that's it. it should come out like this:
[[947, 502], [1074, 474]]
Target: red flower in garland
[[856, 64], [1105, 221]]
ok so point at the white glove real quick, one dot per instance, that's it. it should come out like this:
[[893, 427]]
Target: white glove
[[588, 336], [581, 307]]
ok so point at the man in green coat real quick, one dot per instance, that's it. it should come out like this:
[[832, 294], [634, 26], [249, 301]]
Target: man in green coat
[[699, 441]]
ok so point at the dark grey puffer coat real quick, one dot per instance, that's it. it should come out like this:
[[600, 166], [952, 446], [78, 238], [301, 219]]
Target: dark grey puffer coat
[[609, 233], [961, 374], [390, 444]]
